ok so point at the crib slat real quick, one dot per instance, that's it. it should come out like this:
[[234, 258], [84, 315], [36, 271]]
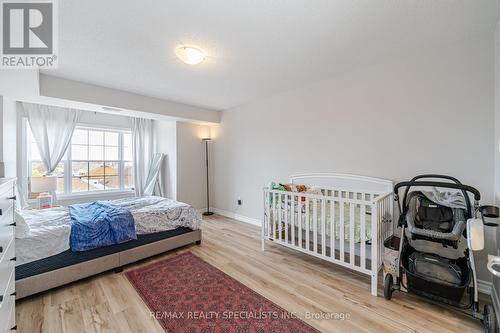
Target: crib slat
[[275, 200], [280, 216], [299, 213], [270, 208], [292, 219], [374, 234], [332, 229], [363, 235], [380, 227], [341, 234], [323, 226], [285, 211], [268, 215], [307, 224], [387, 215], [315, 225], [352, 224], [382, 214]]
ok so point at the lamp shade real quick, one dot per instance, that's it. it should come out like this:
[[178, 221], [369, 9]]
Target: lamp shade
[[43, 184]]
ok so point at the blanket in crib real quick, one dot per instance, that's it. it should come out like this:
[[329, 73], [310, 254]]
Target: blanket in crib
[[97, 224]]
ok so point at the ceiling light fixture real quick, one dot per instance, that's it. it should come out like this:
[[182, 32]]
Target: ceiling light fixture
[[191, 55]]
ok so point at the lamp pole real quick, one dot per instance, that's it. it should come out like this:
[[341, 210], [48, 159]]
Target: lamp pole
[[208, 212]]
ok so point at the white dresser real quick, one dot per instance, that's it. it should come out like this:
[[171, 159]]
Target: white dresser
[[7, 256]]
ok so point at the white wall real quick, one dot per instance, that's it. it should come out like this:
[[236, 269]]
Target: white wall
[[184, 166], [104, 119], [429, 113], [32, 86], [191, 176], [166, 143], [58, 89]]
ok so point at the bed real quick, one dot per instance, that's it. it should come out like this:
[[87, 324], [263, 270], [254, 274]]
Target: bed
[[44, 259]]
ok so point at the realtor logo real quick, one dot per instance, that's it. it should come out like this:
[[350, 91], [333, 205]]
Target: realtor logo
[[29, 34]]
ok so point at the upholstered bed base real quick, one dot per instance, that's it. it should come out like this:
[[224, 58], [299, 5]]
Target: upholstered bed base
[[44, 281]]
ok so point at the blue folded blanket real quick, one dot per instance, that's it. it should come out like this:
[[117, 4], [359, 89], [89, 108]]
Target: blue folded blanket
[[98, 224]]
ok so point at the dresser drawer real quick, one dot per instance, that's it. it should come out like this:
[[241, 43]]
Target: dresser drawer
[[6, 195], [6, 237], [7, 266], [6, 207], [7, 305], [7, 191], [7, 216]]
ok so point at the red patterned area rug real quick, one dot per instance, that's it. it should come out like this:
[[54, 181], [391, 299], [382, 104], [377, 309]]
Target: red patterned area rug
[[186, 294]]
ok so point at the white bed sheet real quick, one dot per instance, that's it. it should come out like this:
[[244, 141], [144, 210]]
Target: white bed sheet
[[49, 229], [48, 234]]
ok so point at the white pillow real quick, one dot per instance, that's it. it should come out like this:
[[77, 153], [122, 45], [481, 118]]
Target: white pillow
[[20, 200], [22, 228]]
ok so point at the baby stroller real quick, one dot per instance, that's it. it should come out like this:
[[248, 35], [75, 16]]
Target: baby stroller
[[433, 257]]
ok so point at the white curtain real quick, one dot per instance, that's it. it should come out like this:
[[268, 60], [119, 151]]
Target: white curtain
[[154, 175], [143, 152], [52, 128]]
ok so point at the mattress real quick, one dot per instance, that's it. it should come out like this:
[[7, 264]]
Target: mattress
[[347, 230], [49, 229], [68, 257]]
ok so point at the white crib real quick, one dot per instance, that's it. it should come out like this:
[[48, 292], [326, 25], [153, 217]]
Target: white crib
[[346, 224]]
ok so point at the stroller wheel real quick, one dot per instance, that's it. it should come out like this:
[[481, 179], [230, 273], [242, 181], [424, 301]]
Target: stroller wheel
[[388, 282], [489, 319]]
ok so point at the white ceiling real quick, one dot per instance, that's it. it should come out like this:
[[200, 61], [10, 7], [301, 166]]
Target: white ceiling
[[256, 47]]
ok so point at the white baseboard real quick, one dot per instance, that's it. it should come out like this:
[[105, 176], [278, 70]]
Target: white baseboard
[[235, 216], [495, 298]]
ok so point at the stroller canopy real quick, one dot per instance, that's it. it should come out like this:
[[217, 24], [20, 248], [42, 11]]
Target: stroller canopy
[[436, 215]]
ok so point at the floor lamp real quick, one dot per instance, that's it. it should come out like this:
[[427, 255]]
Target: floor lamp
[[208, 212]]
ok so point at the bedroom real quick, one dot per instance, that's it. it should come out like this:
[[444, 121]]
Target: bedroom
[[314, 110]]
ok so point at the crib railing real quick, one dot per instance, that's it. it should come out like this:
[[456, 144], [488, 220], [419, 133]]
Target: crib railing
[[342, 226]]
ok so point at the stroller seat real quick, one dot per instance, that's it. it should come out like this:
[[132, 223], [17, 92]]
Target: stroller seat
[[427, 219]]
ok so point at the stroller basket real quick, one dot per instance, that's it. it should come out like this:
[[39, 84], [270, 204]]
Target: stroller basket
[[431, 288], [391, 255]]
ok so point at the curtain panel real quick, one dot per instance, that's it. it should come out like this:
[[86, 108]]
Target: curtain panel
[[147, 163], [52, 128]]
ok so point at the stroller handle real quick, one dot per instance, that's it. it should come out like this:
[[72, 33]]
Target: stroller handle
[[439, 176], [431, 175], [475, 192]]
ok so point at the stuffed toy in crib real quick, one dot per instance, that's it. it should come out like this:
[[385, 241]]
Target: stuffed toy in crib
[[299, 188]]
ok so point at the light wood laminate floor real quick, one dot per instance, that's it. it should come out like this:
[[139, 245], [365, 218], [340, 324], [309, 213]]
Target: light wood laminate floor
[[297, 282]]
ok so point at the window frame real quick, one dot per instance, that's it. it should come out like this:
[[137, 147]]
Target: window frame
[[68, 161]]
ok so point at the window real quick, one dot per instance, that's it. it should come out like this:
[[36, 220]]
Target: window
[[97, 160], [36, 168]]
